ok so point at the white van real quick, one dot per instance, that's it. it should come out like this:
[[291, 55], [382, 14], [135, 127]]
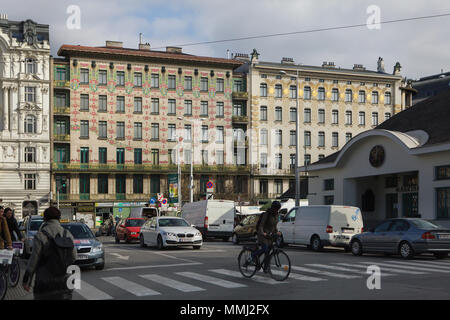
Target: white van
[[288, 204], [144, 212], [213, 218], [318, 226]]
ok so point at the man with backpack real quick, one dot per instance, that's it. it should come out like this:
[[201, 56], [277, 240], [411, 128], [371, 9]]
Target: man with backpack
[[53, 252]]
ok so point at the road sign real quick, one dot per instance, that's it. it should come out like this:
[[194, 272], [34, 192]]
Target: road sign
[[209, 186], [152, 200], [164, 201], [160, 197]]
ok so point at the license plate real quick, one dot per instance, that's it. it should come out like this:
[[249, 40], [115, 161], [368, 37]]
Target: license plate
[[185, 240], [82, 257], [444, 236], [348, 230]]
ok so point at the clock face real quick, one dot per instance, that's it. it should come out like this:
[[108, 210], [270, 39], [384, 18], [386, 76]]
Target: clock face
[[376, 156]]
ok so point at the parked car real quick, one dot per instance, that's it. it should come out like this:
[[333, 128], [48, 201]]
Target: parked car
[[168, 232], [319, 226], [246, 229], [407, 237], [90, 252], [128, 229], [29, 228], [214, 218], [144, 212]]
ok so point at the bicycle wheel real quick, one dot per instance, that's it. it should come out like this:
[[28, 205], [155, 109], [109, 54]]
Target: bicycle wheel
[[3, 284], [246, 265], [14, 273], [279, 265]]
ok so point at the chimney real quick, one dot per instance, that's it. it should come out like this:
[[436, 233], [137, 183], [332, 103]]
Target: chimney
[[241, 56], [358, 67], [114, 44], [3, 16], [144, 46], [173, 49], [285, 60]]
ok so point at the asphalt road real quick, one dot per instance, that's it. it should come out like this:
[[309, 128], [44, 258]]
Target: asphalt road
[[211, 273]]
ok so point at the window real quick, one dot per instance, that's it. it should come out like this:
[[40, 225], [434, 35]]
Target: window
[[172, 82], [219, 157], [278, 91], [172, 132], [30, 94], [172, 107], [263, 186], [307, 159], [102, 103], [321, 156], [348, 95], [204, 133], [137, 81], [321, 139], [391, 182], [238, 109], [155, 156], [220, 85], [171, 156], [292, 162], [219, 109], [30, 181], [263, 90], [60, 100], [307, 115], [102, 155], [335, 140], [321, 94], [120, 78], [374, 118], [442, 172], [84, 76], [348, 137], [387, 98], [85, 184], [62, 127], [335, 117], [362, 96], [374, 97], [61, 154], [348, 117], [155, 106], [155, 80], [292, 114], [102, 129], [362, 118], [120, 183], [120, 104], [30, 124], [155, 131], [204, 108], [84, 155], [278, 137], [443, 203], [307, 139], [84, 102], [187, 132], [263, 161], [238, 85], [61, 74], [219, 134], [102, 181], [263, 137], [138, 183], [187, 156], [138, 130], [328, 200], [278, 186], [204, 154], [293, 92], [102, 77], [120, 130], [307, 93], [335, 94], [138, 105], [278, 114], [292, 138], [155, 184], [321, 115], [278, 161], [31, 66], [204, 84], [387, 116], [30, 154], [263, 113], [188, 83], [84, 129], [120, 155], [188, 107]]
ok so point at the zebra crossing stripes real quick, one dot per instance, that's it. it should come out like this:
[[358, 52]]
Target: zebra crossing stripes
[[174, 284], [132, 287], [398, 265], [237, 274], [420, 264], [213, 280], [337, 268], [383, 269], [300, 277], [325, 273], [90, 292], [439, 263]]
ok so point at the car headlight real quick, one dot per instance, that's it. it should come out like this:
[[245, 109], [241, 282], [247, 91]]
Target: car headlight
[[198, 234], [169, 234], [97, 249]]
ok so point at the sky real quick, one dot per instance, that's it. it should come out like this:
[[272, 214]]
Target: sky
[[422, 47]]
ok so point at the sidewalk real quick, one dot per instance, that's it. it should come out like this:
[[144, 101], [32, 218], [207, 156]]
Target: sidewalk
[[18, 293]]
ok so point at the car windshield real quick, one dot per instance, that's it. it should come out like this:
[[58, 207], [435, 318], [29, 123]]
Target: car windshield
[[35, 224], [424, 224], [79, 231], [135, 223], [173, 223]]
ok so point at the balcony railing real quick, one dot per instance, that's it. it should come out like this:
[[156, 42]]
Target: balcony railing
[[120, 196], [61, 137], [240, 95], [61, 83], [84, 196], [61, 110], [240, 119], [257, 170]]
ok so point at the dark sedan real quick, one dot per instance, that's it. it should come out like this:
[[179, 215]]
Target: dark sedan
[[407, 237]]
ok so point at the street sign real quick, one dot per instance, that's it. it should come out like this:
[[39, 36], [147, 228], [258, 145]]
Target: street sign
[[164, 201], [152, 200], [160, 197], [209, 187]]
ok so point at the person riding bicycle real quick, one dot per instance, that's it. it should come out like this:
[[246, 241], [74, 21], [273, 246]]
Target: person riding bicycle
[[266, 227], [13, 226]]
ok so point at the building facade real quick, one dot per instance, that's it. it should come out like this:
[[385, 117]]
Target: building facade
[[123, 116], [24, 116]]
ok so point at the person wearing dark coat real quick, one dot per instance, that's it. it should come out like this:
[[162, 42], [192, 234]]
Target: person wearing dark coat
[[13, 226]]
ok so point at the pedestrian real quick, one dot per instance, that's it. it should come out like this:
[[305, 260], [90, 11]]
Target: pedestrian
[[53, 251], [13, 226], [5, 237]]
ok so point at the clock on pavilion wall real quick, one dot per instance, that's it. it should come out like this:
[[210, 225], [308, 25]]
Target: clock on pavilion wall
[[376, 156]]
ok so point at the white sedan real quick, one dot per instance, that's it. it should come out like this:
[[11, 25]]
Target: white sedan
[[169, 231]]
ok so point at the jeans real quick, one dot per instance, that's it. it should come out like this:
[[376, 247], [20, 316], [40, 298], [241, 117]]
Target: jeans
[[264, 249]]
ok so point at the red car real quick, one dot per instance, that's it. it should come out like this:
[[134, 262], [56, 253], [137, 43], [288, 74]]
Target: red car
[[128, 229]]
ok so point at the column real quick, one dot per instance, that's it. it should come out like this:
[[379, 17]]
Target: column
[[6, 108]]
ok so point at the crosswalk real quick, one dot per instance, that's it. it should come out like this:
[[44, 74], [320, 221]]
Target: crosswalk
[[154, 284]]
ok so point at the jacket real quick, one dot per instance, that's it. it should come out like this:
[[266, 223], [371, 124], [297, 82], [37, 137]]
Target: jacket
[[13, 226], [269, 221], [41, 245], [5, 237]]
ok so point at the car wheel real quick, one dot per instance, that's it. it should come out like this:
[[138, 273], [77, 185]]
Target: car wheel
[[197, 247], [100, 267], [235, 238], [159, 243], [356, 248], [141, 241], [316, 245], [406, 251], [440, 255]]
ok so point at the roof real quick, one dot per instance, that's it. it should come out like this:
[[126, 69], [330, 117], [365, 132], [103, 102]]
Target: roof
[[128, 53]]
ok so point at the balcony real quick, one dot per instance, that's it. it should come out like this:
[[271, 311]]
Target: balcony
[[61, 110], [61, 137], [61, 84], [84, 196], [240, 95], [240, 119], [120, 196], [257, 170]]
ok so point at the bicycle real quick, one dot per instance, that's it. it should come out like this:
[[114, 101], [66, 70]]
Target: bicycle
[[6, 260], [279, 264]]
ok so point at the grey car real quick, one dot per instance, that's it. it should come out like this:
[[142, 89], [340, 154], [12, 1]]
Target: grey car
[[406, 236]]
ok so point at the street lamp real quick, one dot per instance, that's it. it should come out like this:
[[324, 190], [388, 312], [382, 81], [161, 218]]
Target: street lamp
[[297, 176]]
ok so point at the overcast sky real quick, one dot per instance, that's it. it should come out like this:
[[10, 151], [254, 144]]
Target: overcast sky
[[422, 47]]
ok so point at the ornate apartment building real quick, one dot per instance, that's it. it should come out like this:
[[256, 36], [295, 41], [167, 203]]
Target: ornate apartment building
[[24, 116], [334, 105], [122, 116]]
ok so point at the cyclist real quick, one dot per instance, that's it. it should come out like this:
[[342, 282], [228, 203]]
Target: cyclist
[[13, 226], [266, 227]]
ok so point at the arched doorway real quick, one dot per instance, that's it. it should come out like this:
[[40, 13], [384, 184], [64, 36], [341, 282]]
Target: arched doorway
[[29, 208]]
